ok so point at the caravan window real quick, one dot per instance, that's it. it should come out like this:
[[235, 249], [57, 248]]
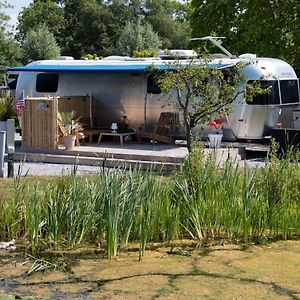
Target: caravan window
[[47, 82], [12, 81], [152, 86], [269, 98], [289, 91]]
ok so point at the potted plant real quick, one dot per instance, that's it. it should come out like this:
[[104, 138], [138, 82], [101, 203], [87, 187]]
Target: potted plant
[[70, 127], [216, 136]]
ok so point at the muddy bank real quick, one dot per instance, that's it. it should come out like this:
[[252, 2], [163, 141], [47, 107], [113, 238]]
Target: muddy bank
[[185, 272]]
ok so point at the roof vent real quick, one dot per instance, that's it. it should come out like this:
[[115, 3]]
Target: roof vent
[[177, 54], [250, 56], [116, 57], [64, 58]]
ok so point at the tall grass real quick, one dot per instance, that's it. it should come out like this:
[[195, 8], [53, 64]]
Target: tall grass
[[202, 201]]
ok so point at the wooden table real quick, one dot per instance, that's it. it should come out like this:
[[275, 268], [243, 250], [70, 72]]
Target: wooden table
[[115, 134], [90, 132]]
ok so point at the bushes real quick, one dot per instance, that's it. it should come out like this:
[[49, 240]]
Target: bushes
[[7, 109]]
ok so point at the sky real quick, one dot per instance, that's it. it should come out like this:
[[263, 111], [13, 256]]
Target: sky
[[14, 12]]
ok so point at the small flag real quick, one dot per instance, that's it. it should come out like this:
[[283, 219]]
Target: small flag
[[20, 103]]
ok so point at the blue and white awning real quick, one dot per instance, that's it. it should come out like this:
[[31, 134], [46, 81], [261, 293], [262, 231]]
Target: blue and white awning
[[102, 67]]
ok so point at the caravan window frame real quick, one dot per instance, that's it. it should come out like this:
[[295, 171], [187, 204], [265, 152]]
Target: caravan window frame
[[46, 82], [284, 89], [264, 99], [12, 81], [152, 87]]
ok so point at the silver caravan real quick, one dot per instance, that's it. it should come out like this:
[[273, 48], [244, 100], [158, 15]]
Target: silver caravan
[[124, 86]]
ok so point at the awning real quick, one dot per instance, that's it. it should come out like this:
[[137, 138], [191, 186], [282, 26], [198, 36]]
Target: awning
[[100, 67]]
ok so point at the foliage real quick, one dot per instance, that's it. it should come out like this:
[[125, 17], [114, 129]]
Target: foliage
[[70, 122], [203, 90], [266, 28], [3, 17], [145, 53], [91, 57], [39, 44], [40, 13], [70, 20], [7, 108], [137, 37], [169, 19], [9, 52], [202, 201], [96, 19]]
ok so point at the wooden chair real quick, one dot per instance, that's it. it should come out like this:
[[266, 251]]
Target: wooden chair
[[162, 131], [88, 128]]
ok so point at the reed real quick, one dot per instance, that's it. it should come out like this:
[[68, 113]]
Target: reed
[[147, 192], [112, 196], [129, 205], [203, 201], [11, 221]]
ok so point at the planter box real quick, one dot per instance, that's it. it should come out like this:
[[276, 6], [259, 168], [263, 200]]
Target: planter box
[[69, 141], [215, 140], [9, 127]]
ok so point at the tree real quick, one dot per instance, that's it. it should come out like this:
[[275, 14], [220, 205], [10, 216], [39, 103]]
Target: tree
[[137, 37], [42, 12], [9, 51], [93, 31], [72, 10], [272, 29], [202, 91], [39, 44], [263, 27], [94, 26], [169, 19]]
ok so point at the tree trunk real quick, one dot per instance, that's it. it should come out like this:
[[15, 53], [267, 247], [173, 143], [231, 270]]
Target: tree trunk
[[188, 137]]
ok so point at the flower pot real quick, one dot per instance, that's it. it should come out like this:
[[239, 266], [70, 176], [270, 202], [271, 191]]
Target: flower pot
[[69, 141], [215, 140]]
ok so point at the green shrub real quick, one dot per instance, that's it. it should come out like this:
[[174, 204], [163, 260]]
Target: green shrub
[[7, 109]]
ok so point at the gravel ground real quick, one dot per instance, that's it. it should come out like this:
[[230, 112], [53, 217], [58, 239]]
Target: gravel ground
[[40, 169], [51, 169]]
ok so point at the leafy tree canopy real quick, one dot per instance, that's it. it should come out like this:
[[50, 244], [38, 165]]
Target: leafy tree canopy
[[94, 26], [92, 31], [42, 12], [9, 52], [39, 44], [169, 19], [137, 37], [263, 27], [202, 91]]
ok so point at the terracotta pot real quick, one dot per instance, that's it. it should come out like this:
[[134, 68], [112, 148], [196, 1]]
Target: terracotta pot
[[69, 142]]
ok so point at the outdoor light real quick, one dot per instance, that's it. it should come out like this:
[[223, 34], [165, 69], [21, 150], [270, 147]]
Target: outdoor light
[[114, 127]]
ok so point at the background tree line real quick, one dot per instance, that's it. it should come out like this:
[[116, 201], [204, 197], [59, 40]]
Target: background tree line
[[48, 28], [94, 26]]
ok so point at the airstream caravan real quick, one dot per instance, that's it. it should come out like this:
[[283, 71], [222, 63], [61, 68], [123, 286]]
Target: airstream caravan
[[124, 86]]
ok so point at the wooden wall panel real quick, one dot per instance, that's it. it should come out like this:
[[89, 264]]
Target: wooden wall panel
[[39, 122], [39, 118], [82, 105]]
